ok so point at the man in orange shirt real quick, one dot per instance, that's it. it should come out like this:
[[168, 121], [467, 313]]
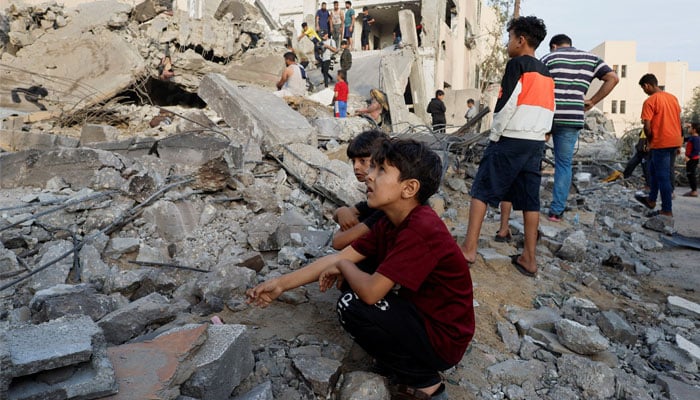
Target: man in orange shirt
[[661, 115]]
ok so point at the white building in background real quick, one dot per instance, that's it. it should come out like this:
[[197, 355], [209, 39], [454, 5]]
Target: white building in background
[[624, 104]]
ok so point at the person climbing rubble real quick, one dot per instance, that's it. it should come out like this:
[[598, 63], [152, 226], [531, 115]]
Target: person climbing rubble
[[377, 108]]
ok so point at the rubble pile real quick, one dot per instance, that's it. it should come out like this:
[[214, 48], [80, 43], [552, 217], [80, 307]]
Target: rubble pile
[[26, 24], [124, 246]]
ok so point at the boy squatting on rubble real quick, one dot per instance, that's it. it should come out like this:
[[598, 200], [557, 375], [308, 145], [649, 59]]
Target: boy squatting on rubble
[[424, 327]]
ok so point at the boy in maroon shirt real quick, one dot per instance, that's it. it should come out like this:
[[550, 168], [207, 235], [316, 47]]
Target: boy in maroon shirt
[[340, 96], [425, 326]]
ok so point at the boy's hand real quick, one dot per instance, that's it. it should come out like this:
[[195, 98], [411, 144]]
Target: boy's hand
[[328, 277], [263, 294], [346, 218]]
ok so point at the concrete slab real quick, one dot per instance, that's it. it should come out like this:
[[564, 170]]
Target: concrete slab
[[17, 140], [155, 369], [264, 116]]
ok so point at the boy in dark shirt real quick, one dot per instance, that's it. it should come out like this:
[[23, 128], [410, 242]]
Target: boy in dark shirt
[[692, 155], [427, 325]]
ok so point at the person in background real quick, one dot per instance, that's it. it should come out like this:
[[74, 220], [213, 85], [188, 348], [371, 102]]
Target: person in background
[[337, 17], [692, 156], [340, 96], [573, 70], [470, 114], [345, 58], [329, 49], [293, 79], [310, 33], [436, 108], [661, 115], [367, 22], [348, 23], [376, 106], [323, 19]]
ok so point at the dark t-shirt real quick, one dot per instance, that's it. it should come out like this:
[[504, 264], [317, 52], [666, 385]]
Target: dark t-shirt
[[422, 257], [365, 22], [437, 109], [324, 19]]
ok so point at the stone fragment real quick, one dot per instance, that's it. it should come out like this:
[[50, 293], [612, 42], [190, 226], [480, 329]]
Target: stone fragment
[[509, 335], [543, 318], [677, 390], [679, 305], [515, 372], [320, 372], [692, 348], [262, 230], [60, 300], [343, 129], [631, 386], [128, 322], [494, 259], [119, 246], [574, 247], [93, 133], [645, 242], [57, 273], [596, 380], [361, 385], [174, 221], [549, 341], [579, 338], [196, 149], [666, 356], [616, 328], [155, 369], [261, 392]]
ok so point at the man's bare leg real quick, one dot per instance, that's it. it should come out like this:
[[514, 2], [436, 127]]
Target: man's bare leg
[[477, 212], [504, 230], [528, 259]]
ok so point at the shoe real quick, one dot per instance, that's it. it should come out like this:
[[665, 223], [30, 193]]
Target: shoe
[[554, 217], [645, 200], [520, 268], [403, 392], [503, 239], [690, 194]]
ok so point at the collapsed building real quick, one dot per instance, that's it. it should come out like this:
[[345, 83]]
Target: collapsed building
[[133, 209]]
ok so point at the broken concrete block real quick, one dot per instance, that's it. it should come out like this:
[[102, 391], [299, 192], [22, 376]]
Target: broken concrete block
[[8, 263], [320, 372], [344, 129], [677, 390], [130, 321], [579, 338], [364, 385], [670, 357], [221, 363], [87, 380], [198, 148], [266, 117], [57, 273], [132, 147], [494, 259], [61, 300], [595, 379], [225, 281], [119, 246], [93, 133], [262, 230], [616, 328], [155, 369], [18, 140], [543, 318], [509, 336], [692, 348], [574, 247], [262, 196], [516, 372], [93, 269], [174, 221], [679, 305]]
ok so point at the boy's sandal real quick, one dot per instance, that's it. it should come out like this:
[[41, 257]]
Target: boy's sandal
[[404, 392], [503, 239]]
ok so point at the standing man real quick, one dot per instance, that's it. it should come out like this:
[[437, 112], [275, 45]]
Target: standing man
[[437, 109], [337, 17], [293, 79], [573, 70], [323, 19], [328, 50], [661, 116], [349, 23], [367, 22], [510, 167]]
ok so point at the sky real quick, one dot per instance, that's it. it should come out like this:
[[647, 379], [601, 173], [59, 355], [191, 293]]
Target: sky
[[665, 30]]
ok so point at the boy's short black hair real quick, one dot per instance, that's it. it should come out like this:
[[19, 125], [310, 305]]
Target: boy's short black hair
[[304, 24], [560, 40], [470, 101], [696, 125], [649, 79], [342, 74], [363, 145], [414, 160], [343, 42], [531, 27], [365, 8], [439, 93]]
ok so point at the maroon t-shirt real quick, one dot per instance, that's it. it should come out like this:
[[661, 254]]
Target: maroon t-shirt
[[422, 257]]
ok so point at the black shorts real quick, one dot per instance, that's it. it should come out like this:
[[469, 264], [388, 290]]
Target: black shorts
[[510, 171], [365, 38]]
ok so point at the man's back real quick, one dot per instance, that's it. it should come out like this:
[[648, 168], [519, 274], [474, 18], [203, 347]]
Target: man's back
[[296, 84], [573, 71], [663, 112]]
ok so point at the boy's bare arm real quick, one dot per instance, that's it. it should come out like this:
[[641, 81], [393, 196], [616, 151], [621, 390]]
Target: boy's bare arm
[[263, 294], [369, 288], [346, 217], [343, 238]]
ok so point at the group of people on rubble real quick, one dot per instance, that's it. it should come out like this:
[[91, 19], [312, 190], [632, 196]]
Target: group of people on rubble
[[406, 291]]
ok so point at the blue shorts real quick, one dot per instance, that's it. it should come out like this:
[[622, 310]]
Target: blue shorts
[[510, 171], [346, 33], [341, 109]]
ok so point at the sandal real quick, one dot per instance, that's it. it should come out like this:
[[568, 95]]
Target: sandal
[[503, 239]]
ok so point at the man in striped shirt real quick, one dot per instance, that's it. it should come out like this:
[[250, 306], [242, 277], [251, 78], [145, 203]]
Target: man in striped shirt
[[573, 70]]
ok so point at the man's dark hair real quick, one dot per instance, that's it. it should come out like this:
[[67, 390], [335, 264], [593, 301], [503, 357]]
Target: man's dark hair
[[414, 160], [649, 79], [342, 74], [365, 8], [438, 93], [343, 42], [349, 2], [696, 126], [470, 101], [531, 27], [290, 56], [363, 145], [560, 40]]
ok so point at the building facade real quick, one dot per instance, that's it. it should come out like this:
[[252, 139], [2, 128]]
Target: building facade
[[623, 106]]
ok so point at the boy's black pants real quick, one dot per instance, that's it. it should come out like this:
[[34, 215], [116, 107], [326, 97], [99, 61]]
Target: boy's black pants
[[392, 331]]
